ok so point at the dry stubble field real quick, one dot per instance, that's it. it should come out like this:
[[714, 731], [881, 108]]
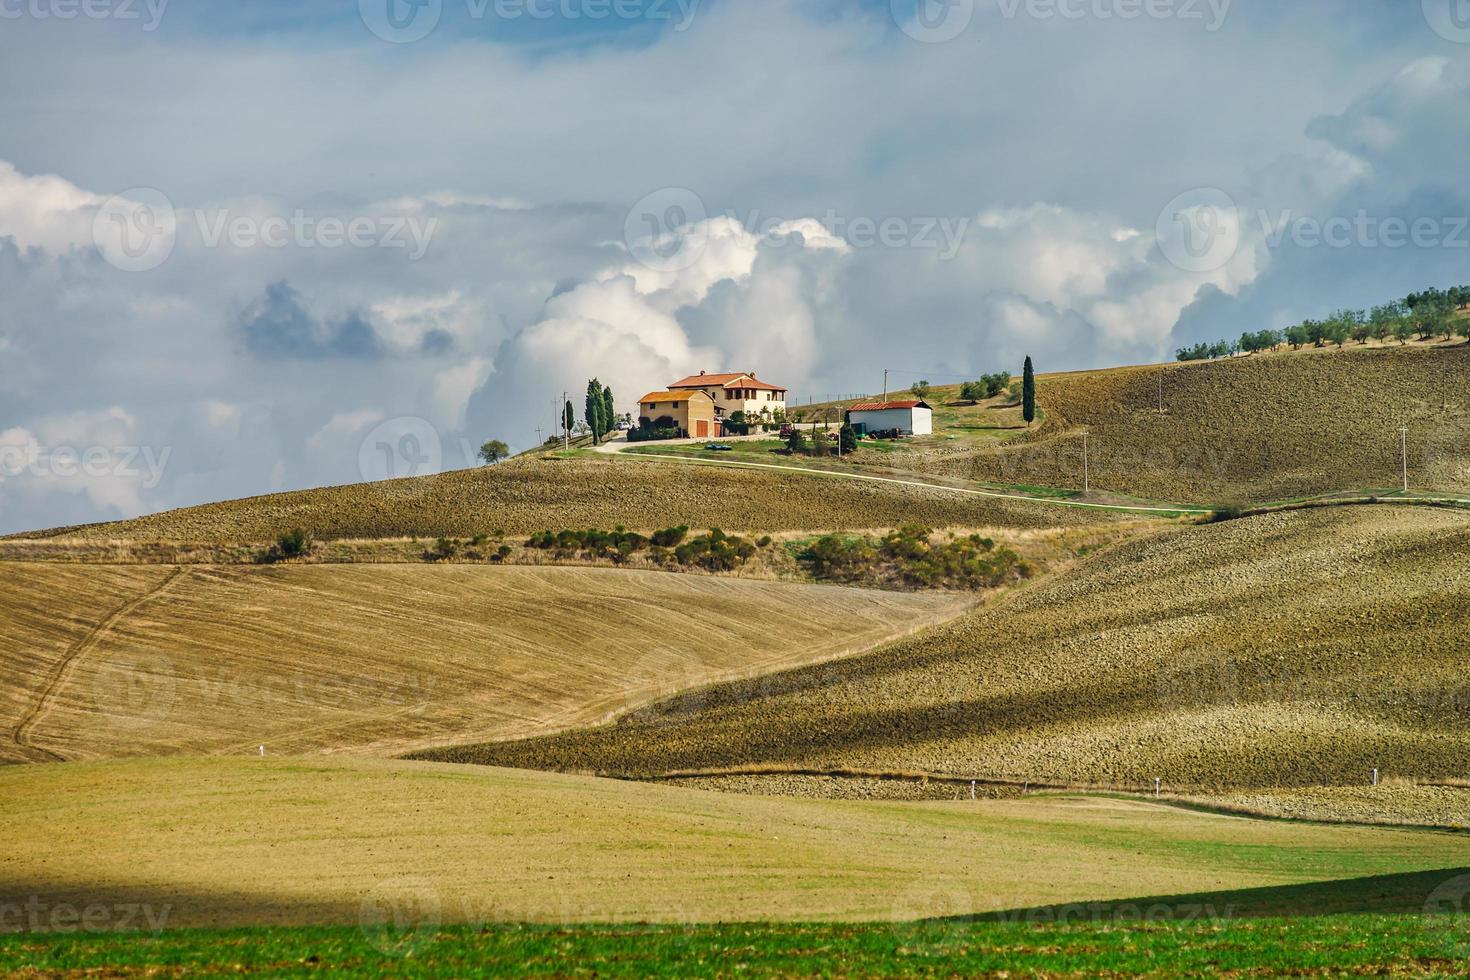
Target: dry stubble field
[[535, 493], [1289, 649], [107, 661], [1252, 429]]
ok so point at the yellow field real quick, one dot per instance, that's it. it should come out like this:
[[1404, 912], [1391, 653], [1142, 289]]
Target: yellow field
[[109, 661], [259, 841], [1285, 650]]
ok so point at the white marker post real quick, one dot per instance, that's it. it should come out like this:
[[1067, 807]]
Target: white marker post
[[972, 789], [1375, 777], [262, 750], [1156, 787]]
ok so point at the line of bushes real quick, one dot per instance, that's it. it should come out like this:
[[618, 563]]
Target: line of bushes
[[714, 550], [910, 556]]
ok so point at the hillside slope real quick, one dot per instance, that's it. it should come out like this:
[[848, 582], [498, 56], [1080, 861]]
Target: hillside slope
[[1258, 428], [1289, 649], [533, 493], [221, 842], [149, 660]]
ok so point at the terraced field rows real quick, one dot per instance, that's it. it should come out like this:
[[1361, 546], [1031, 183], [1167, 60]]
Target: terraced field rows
[[381, 659]]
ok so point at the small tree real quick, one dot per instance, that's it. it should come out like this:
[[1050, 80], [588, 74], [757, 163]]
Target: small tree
[[1028, 393], [609, 411], [493, 452], [796, 442], [972, 391], [568, 418], [920, 389], [847, 435]]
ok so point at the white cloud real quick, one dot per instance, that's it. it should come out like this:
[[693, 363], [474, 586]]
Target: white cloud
[[45, 211]]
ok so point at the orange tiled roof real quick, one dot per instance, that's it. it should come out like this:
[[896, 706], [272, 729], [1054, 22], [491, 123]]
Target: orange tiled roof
[[670, 396], [725, 381]]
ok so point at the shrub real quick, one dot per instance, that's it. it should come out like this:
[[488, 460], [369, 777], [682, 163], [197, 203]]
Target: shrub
[[670, 536], [294, 543], [652, 433], [444, 548], [715, 551]]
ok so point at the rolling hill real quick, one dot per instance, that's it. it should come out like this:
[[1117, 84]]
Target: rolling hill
[[1247, 429], [1289, 649], [107, 661], [534, 493], [228, 842]]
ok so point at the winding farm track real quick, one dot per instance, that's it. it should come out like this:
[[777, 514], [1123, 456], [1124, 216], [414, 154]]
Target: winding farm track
[[21, 734]]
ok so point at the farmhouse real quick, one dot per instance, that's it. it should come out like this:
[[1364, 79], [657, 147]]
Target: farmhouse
[[691, 412], [736, 393], [911, 417]]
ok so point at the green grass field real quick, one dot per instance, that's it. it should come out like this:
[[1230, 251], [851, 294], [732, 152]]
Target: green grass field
[[1400, 945]]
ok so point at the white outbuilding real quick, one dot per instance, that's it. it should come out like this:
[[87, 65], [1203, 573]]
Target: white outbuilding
[[911, 418]]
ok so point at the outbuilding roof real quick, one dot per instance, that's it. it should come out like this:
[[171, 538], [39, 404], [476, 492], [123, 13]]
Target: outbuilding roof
[[886, 406]]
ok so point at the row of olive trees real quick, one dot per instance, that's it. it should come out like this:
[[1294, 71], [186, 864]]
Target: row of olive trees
[[1422, 315]]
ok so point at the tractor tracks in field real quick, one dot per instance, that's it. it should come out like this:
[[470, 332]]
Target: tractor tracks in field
[[21, 734]]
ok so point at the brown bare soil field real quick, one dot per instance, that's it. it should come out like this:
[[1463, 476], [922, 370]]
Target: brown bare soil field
[[1260, 428], [534, 493], [1289, 649], [377, 659], [224, 842]]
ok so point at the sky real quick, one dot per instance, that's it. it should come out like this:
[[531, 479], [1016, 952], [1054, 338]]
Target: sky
[[256, 247]]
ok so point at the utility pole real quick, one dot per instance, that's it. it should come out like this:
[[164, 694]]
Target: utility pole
[[1085, 486], [538, 435], [885, 384], [566, 430], [1404, 450]]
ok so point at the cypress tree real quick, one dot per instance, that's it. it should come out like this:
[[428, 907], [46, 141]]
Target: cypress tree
[[1028, 393], [569, 418], [609, 412], [594, 408]]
